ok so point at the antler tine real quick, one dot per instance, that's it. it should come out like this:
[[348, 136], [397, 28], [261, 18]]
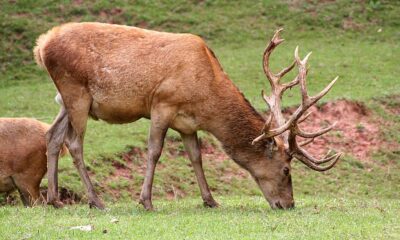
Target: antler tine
[[315, 167], [303, 118], [296, 150], [306, 99], [297, 58], [267, 125], [294, 82], [286, 70], [302, 77], [262, 136], [274, 78], [306, 142], [320, 132], [324, 91], [275, 41], [267, 100], [317, 161]]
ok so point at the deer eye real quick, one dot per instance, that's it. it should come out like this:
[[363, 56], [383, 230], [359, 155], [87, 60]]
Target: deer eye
[[286, 171]]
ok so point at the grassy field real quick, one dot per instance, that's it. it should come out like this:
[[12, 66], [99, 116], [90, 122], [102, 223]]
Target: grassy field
[[358, 41], [238, 218]]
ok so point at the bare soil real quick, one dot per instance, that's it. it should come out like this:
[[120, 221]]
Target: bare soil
[[358, 131], [66, 196]]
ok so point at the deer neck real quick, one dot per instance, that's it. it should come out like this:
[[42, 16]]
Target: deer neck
[[236, 124]]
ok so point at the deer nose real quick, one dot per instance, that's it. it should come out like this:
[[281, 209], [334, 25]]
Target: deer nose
[[288, 205], [278, 205], [291, 204]]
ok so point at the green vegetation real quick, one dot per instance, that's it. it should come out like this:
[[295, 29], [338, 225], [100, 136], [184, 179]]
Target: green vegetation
[[357, 41], [238, 218]]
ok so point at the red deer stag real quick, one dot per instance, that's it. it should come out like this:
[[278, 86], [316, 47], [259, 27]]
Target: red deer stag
[[120, 74], [23, 157]]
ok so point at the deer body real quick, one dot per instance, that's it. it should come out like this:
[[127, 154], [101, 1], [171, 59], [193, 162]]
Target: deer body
[[120, 74], [22, 157], [127, 70]]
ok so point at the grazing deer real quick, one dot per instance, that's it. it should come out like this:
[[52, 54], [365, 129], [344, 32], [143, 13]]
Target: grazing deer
[[23, 157], [120, 74]]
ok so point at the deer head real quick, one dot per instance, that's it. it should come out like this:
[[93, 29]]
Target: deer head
[[284, 145]]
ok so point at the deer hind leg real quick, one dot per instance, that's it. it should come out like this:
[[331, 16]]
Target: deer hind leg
[[54, 139], [28, 189], [78, 114], [192, 146], [158, 129]]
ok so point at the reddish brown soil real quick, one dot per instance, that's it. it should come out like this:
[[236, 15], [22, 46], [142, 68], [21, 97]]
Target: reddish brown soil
[[66, 196], [357, 132], [134, 164]]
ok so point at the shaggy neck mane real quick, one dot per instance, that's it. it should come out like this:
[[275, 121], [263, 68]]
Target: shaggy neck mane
[[235, 122], [238, 124]]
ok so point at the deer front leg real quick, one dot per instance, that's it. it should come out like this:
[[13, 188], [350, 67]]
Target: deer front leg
[[192, 146], [158, 129]]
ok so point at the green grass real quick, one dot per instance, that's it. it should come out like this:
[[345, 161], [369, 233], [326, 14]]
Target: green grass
[[237, 218]]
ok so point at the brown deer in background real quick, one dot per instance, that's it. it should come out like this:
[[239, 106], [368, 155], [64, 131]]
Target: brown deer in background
[[23, 157], [120, 74]]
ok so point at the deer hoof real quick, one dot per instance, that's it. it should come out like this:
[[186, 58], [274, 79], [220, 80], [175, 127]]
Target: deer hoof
[[56, 204], [96, 204], [211, 203], [147, 204]]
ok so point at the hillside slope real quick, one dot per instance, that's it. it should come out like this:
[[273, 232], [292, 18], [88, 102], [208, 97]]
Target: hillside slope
[[357, 40]]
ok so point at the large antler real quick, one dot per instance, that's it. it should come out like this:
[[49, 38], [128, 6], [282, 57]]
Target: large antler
[[274, 103]]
